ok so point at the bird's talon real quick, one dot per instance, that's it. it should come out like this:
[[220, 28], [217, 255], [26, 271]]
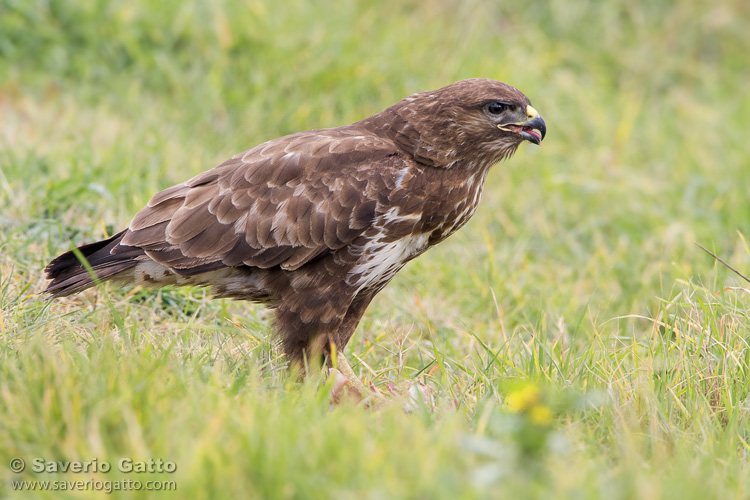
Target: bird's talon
[[339, 387]]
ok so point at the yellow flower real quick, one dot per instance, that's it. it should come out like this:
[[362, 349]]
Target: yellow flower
[[540, 415], [523, 399]]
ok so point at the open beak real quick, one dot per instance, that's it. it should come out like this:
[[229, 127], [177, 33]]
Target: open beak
[[533, 129]]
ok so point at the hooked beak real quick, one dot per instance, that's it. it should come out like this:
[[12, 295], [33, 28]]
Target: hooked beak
[[533, 129]]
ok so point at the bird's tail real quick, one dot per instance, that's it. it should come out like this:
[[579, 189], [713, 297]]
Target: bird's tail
[[69, 275]]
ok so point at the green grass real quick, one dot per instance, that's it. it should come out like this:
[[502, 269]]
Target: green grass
[[578, 344]]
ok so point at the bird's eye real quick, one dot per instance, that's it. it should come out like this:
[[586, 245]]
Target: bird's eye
[[495, 108]]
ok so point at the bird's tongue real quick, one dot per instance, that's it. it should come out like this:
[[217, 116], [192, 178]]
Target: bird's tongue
[[533, 132], [520, 128]]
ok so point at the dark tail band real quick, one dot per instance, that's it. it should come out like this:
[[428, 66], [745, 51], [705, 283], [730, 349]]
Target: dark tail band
[[69, 276]]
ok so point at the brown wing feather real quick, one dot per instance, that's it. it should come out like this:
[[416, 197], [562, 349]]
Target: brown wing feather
[[282, 203]]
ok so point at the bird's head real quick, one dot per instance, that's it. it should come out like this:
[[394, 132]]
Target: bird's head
[[478, 120]]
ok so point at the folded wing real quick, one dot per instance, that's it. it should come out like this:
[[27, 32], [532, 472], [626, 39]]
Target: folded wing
[[283, 203]]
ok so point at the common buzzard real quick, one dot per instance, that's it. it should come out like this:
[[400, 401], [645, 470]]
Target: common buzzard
[[314, 224]]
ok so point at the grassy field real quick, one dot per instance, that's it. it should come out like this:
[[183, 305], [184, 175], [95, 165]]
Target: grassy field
[[578, 343]]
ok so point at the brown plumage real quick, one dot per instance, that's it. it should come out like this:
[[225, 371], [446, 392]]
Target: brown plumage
[[316, 223]]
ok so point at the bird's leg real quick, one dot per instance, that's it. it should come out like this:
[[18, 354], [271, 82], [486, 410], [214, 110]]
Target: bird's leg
[[344, 376], [346, 382], [345, 379], [305, 341]]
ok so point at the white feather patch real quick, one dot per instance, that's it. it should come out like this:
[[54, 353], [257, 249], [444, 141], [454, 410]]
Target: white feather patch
[[381, 261]]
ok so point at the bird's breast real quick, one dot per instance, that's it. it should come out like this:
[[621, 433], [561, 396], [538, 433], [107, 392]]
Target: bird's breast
[[452, 208], [380, 260]]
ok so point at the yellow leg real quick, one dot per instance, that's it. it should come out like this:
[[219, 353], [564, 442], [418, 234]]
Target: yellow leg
[[354, 384]]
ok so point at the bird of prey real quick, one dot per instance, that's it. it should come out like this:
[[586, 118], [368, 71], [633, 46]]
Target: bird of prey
[[316, 223]]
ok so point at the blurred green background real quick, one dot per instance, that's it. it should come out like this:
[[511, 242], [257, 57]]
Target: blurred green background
[[103, 103]]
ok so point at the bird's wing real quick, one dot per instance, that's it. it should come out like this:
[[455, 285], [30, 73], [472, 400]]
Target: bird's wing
[[282, 203]]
